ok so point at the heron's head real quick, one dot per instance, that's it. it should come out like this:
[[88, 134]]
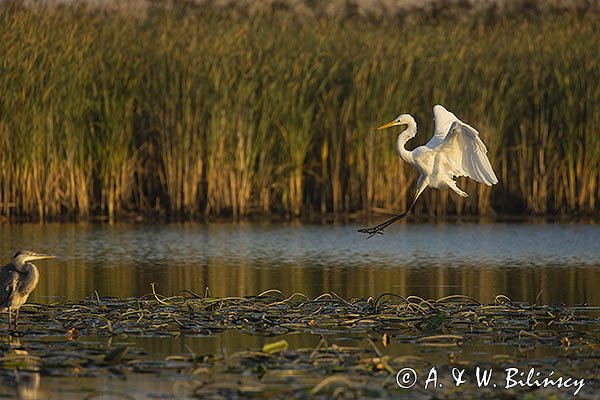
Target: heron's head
[[402, 119], [23, 256]]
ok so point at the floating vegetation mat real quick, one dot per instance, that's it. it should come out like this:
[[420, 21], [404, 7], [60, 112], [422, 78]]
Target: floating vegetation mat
[[351, 357]]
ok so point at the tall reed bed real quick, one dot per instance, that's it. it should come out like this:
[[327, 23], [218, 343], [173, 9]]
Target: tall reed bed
[[191, 112]]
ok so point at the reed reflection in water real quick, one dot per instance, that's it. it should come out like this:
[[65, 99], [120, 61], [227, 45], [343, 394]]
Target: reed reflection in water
[[562, 261]]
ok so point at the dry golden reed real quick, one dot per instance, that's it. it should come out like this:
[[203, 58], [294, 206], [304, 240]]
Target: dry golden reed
[[197, 112]]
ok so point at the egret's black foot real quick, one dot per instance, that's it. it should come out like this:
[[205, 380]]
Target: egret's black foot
[[381, 227], [378, 230]]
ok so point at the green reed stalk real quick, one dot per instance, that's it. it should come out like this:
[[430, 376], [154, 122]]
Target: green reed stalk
[[192, 111]]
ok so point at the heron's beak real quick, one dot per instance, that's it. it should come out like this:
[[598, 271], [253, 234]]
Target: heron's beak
[[39, 256], [388, 125]]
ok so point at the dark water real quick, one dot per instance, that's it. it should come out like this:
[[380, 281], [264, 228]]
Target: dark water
[[558, 262], [555, 263]]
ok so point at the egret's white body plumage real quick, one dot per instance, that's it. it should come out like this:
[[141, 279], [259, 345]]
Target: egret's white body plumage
[[454, 150]]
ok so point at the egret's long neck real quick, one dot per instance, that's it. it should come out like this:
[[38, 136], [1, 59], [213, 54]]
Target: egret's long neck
[[403, 138]]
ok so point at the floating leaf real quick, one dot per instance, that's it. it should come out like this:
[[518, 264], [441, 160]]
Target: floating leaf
[[275, 347]]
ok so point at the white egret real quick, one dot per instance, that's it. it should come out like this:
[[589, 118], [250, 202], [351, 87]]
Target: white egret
[[454, 150]]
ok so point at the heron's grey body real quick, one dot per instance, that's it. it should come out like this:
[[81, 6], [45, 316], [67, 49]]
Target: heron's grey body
[[17, 280], [18, 283]]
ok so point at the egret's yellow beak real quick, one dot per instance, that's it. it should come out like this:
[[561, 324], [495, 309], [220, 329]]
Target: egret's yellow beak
[[39, 256], [388, 125]]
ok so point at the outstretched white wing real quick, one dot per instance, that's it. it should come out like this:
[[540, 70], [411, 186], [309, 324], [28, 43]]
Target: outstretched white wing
[[442, 120], [466, 154]]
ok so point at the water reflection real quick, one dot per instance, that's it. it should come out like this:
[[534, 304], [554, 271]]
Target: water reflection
[[27, 385], [560, 261], [20, 375]]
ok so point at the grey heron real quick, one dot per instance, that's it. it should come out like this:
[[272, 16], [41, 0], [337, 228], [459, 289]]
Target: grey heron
[[17, 280]]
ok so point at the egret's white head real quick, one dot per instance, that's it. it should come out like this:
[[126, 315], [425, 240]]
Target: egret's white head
[[24, 256], [402, 119]]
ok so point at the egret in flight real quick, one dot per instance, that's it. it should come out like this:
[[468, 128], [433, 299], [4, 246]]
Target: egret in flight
[[17, 280], [454, 150]]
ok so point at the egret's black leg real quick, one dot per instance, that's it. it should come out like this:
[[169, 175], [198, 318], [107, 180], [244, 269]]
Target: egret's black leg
[[9, 318], [17, 320], [379, 228]]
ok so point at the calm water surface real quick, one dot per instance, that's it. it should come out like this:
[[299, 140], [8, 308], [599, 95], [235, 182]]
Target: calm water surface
[[555, 263], [558, 262]]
